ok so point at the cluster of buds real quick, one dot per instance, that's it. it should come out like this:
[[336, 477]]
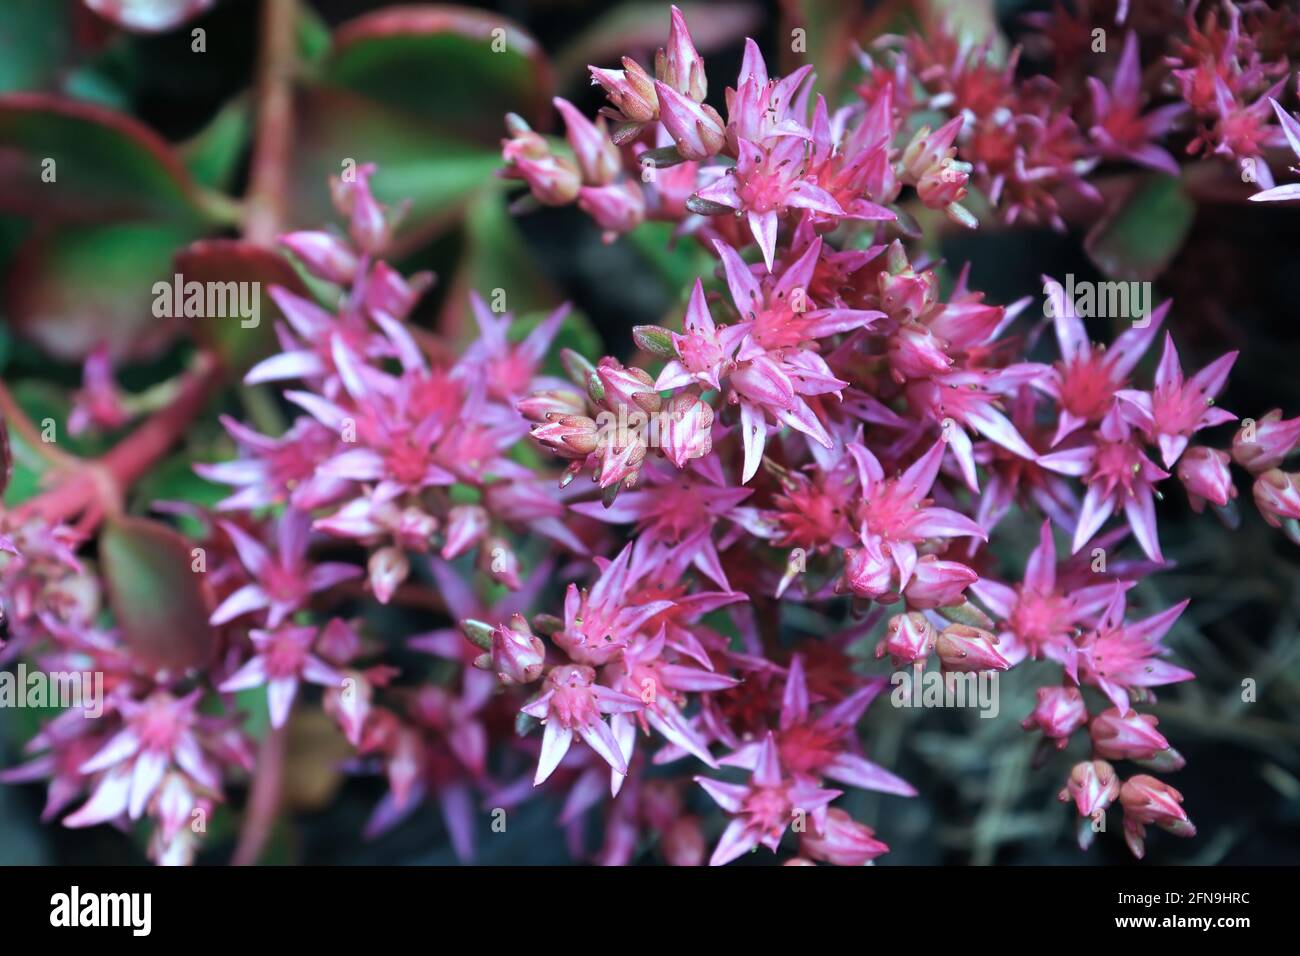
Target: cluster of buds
[[929, 162]]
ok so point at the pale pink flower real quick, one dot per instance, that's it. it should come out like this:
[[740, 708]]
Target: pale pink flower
[[572, 702], [283, 658]]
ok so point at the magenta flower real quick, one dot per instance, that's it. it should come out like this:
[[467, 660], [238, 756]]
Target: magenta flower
[[1291, 129], [509, 371], [281, 584], [99, 403], [825, 745], [767, 182], [1087, 379], [160, 732], [282, 660], [1175, 410], [1119, 477], [893, 517], [277, 470], [645, 672], [762, 809], [572, 702], [1039, 617], [1119, 657], [1119, 128], [703, 350]]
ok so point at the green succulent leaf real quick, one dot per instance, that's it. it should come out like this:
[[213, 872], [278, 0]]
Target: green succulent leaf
[[156, 598], [63, 159], [459, 69]]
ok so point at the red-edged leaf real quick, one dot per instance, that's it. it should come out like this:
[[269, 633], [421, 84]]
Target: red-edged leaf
[[70, 288], [156, 598], [436, 172], [234, 260], [1143, 230], [458, 68], [68, 160], [639, 28]]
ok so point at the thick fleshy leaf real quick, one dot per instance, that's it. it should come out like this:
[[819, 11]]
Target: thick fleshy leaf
[[458, 68], [438, 174], [157, 599], [638, 28], [214, 154], [34, 40], [233, 260], [494, 256], [73, 288], [65, 159], [1144, 232]]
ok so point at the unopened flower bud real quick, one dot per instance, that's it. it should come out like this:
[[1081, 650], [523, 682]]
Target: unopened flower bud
[[631, 90], [349, 704], [696, 128], [1130, 736], [1149, 800], [553, 180], [388, 292], [867, 572], [498, 560], [632, 388], [842, 841], [388, 568], [466, 525], [686, 429], [1265, 444], [916, 352], [617, 208], [1060, 712], [683, 842], [414, 529], [928, 150], [907, 295], [944, 183], [569, 436], [962, 648], [908, 638], [1093, 786], [517, 655], [1205, 474], [324, 255], [537, 406], [1277, 495], [937, 583], [597, 156], [680, 64]]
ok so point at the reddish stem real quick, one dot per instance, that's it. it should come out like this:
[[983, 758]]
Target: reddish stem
[[93, 488], [268, 187], [263, 798]]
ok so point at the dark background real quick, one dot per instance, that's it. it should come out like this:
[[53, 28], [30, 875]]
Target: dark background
[[1235, 286]]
